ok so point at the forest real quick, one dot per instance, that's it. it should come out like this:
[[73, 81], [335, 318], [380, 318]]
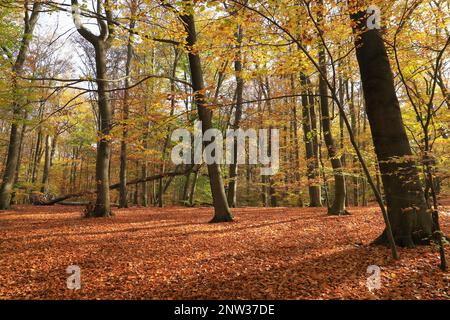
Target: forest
[[224, 149]]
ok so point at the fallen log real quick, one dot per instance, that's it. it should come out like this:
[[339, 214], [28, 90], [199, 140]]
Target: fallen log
[[76, 204], [116, 186]]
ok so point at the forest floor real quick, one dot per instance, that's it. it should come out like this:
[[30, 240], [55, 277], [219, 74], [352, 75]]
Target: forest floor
[[173, 253]]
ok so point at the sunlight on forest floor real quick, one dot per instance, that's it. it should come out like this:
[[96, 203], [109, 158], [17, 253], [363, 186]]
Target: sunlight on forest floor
[[173, 253]]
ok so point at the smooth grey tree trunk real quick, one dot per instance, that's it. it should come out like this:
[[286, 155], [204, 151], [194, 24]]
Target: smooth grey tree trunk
[[103, 205], [101, 44], [222, 212]]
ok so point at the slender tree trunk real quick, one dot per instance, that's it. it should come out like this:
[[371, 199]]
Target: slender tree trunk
[[161, 188], [72, 169], [232, 186], [342, 137], [46, 174], [83, 164], [272, 198], [193, 188], [144, 192], [406, 205], [350, 96], [144, 166], [314, 188], [186, 188], [338, 206], [321, 163], [123, 198], [30, 162], [294, 136], [53, 149], [37, 156], [315, 142], [264, 196], [19, 157], [222, 212]]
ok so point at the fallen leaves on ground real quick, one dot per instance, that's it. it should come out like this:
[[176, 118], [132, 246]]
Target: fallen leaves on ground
[[173, 253]]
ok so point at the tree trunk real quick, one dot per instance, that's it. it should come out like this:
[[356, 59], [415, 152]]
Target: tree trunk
[[222, 212], [123, 198], [187, 181], [315, 141], [350, 96], [364, 192], [144, 167], [338, 206], [232, 186], [193, 188], [38, 150], [102, 205], [10, 168], [144, 192], [53, 150], [46, 174], [19, 157], [73, 169], [101, 44], [314, 188], [406, 206], [272, 198], [342, 137], [294, 137]]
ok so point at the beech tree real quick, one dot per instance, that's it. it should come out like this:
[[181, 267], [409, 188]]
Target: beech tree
[[232, 186], [222, 211], [338, 206], [411, 221], [101, 44], [311, 144]]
